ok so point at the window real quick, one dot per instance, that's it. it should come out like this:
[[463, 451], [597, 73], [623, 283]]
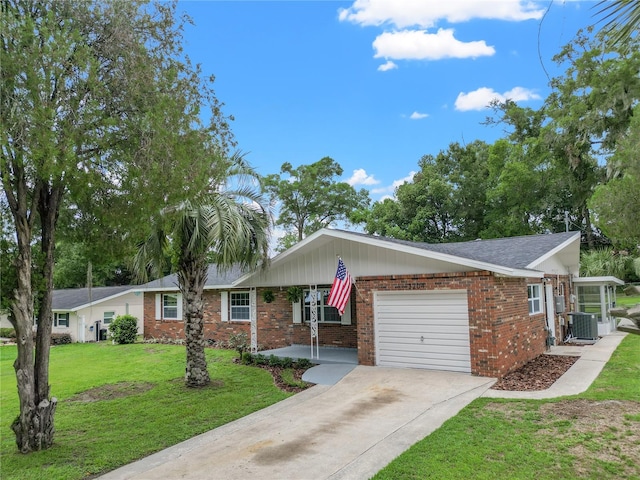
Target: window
[[108, 317], [170, 306], [61, 320], [534, 293], [240, 310], [326, 314]]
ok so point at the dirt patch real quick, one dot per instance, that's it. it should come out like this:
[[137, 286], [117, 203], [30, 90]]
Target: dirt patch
[[112, 391], [539, 374], [601, 437]]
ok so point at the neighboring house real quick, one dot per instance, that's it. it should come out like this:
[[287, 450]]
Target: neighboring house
[[86, 313], [4, 320], [484, 307]]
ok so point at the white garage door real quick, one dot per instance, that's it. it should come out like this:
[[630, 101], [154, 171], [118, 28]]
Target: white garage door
[[423, 330]]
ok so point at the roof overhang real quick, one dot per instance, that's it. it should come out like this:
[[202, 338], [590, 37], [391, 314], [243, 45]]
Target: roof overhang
[[606, 280], [572, 247]]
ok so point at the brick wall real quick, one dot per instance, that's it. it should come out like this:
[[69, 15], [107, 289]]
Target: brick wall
[[503, 335], [275, 324]]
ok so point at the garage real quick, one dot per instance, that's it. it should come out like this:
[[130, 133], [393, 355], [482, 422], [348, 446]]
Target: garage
[[423, 330]]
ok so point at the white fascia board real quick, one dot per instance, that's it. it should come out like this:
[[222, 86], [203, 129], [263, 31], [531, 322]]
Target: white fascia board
[[96, 302], [175, 288], [607, 280], [560, 247], [445, 257]]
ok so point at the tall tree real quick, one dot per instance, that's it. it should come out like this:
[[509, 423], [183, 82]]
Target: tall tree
[[444, 202], [590, 110], [94, 101], [311, 198], [617, 203], [228, 226]]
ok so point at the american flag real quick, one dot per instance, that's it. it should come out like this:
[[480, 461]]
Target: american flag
[[341, 288]]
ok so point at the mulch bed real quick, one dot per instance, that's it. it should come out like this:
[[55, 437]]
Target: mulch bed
[[539, 374], [276, 373]]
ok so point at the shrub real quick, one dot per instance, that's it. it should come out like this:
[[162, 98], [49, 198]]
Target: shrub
[[124, 329], [238, 341], [303, 363], [60, 338], [7, 333]]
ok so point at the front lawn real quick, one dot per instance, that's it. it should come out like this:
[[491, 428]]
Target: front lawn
[[119, 403], [595, 435]]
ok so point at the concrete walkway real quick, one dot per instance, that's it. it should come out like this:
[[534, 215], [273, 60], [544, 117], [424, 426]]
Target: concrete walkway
[[579, 377], [349, 430]]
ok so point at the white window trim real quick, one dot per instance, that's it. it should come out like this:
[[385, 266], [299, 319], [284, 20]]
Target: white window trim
[[111, 318], [160, 307], [345, 319], [531, 300], [56, 320], [239, 320]]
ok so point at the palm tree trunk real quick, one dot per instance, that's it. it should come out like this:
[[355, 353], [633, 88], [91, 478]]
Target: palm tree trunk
[[192, 277]]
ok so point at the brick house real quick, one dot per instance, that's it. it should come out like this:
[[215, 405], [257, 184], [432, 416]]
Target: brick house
[[484, 307]]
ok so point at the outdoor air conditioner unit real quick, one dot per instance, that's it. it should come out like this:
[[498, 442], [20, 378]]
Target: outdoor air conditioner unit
[[559, 304], [585, 325]]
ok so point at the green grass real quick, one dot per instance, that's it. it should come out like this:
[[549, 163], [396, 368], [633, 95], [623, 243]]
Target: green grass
[[156, 410], [587, 436], [627, 300]]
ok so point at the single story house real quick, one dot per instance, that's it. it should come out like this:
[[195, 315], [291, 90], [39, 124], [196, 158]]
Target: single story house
[[86, 313], [483, 307]]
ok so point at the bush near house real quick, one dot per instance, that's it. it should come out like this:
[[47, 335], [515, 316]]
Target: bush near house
[[124, 329], [7, 333], [60, 338]]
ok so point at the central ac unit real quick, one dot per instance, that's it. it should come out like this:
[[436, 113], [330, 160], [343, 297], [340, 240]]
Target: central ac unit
[[585, 325]]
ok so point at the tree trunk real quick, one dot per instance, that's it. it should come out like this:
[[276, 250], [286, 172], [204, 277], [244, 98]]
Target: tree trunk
[[33, 427], [192, 277]]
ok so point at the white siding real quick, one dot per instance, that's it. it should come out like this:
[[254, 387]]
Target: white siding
[[423, 330], [131, 303], [314, 266]]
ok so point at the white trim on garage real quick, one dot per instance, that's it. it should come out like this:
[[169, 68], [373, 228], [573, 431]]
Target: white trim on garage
[[423, 329]]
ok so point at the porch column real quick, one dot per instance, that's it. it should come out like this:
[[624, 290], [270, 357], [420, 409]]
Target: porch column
[[313, 318], [253, 314]]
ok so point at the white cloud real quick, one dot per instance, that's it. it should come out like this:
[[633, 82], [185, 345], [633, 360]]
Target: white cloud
[[421, 45], [361, 177], [418, 116], [387, 66], [481, 98], [392, 188], [426, 14]]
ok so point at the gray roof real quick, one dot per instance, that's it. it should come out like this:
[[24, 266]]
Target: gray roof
[[70, 299], [215, 277], [513, 252]]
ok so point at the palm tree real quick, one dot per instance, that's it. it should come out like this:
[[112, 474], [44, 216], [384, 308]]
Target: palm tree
[[228, 226], [623, 20]]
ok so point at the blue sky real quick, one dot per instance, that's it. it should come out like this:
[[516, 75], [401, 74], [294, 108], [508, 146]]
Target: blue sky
[[374, 84]]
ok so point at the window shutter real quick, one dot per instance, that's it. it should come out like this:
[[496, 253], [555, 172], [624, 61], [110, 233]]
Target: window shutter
[[297, 312], [224, 306], [345, 319], [158, 306], [179, 306]]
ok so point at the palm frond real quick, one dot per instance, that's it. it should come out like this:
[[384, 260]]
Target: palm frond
[[622, 17]]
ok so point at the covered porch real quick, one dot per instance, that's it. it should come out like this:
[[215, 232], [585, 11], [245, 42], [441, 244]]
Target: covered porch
[[322, 355], [597, 295]]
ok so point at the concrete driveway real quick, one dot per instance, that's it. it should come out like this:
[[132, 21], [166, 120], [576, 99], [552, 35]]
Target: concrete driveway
[[349, 430]]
